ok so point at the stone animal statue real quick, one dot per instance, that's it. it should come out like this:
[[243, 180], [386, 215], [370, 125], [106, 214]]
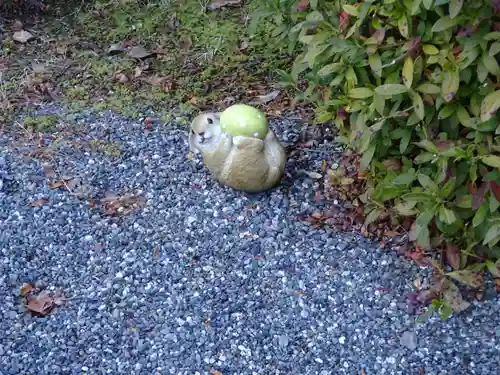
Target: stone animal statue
[[243, 163]]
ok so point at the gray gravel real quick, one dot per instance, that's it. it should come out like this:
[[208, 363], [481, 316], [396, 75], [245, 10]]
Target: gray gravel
[[236, 284]]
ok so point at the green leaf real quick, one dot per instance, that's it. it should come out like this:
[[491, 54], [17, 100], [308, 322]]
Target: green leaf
[[415, 6], [403, 26], [428, 4], [482, 71], [480, 215], [446, 215], [427, 145], [422, 228], [417, 198], [360, 93], [444, 23], [493, 235], [408, 72], [423, 158], [492, 267], [495, 35], [430, 50], [375, 64], [494, 204], [490, 105], [315, 16], [447, 189], [367, 158], [494, 49], [491, 160], [329, 69], [427, 182], [351, 10], [451, 82], [313, 52], [467, 277], [404, 178], [373, 215], [428, 88], [455, 7], [379, 102], [462, 115], [314, 4], [446, 111], [445, 312], [405, 141], [491, 64], [418, 105], [391, 89]]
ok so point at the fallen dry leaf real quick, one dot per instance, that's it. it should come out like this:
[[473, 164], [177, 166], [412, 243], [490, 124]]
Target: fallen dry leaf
[[22, 36], [44, 303], [39, 202], [25, 289], [59, 183], [215, 372]]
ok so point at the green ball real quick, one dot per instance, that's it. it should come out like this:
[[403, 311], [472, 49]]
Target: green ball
[[244, 120]]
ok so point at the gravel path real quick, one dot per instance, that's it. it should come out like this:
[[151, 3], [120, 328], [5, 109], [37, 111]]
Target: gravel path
[[203, 278]]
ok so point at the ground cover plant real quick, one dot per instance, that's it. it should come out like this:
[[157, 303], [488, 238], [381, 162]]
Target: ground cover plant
[[134, 56], [413, 88]]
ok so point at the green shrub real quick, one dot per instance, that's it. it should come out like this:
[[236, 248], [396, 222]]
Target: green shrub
[[413, 87]]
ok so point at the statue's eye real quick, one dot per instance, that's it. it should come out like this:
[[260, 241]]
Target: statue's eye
[[210, 121]]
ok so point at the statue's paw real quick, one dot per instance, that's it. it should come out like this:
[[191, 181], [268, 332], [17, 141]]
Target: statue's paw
[[242, 142]]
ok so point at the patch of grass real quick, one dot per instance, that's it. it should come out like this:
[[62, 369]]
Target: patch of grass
[[43, 124], [109, 148], [204, 59]]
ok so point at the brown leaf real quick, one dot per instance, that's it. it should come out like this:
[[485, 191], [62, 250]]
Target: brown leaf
[[453, 255], [215, 372], [59, 183], [41, 304], [393, 164], [39, 202], [317, 215], [22, 36], [25, 289], [495, 189]]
